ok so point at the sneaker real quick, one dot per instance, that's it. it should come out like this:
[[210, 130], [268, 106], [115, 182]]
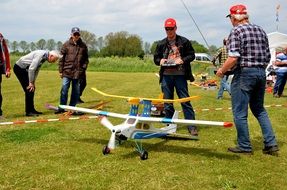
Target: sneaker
[[193, 131], [272, 150], [80, 101], [238, 150]]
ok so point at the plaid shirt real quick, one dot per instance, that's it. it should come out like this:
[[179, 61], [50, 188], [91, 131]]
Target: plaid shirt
[[221, 55], [249, 43]]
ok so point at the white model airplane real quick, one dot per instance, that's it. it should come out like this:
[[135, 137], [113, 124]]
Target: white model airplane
[[139, 126]]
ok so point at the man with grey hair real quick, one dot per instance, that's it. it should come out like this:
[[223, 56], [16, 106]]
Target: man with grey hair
[[248, 55], [26, 69]]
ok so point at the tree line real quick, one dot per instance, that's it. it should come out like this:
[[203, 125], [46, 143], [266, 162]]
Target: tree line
[[120, 44]]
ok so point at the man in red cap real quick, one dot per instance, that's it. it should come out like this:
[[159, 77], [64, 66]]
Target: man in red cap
[[4, 65], [248, 55], [173, 54]]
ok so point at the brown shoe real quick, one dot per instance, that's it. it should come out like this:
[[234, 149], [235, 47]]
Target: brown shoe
[[272, 150], [238, 150]]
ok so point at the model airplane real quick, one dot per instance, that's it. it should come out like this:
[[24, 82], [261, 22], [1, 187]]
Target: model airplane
[[139, 126]]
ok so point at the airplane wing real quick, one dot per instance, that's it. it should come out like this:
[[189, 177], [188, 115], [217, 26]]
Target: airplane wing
[[92, 111], [154, 100], [183, 121], [149, 119]]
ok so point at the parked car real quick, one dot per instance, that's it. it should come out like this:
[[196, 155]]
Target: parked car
[[203, 57]]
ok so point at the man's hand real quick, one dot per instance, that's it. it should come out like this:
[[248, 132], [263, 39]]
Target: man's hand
[[31, 87], [162, 61], [219, 73], [178, 61], [8, 74], [61, 75]]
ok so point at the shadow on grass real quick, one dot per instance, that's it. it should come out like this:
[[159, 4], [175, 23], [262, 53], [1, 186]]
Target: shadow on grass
[[162, 147]]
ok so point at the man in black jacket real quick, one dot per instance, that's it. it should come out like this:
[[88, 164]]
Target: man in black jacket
[[173, 54]]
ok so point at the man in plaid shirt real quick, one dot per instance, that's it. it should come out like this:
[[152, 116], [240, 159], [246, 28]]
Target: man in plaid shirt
[[221, 56], [248, 55]]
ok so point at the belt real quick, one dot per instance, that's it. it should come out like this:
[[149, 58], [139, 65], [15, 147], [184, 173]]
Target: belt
[[255, 66]]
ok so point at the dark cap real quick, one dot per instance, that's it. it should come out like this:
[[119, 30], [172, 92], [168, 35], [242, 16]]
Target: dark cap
[[237, 10], [75, 30]]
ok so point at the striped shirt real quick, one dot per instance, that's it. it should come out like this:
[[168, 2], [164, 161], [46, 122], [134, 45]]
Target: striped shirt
[[250, 44]]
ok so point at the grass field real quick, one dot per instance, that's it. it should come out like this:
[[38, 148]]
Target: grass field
[[68, 154]]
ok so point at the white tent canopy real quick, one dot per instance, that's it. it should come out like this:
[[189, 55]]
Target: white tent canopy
[[277, 40]]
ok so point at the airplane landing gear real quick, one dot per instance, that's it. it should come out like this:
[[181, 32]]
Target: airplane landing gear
[[106, 150], [144, 155]]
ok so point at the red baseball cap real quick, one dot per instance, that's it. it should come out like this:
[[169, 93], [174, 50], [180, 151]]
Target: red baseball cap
[[170, 22], [237, 10]]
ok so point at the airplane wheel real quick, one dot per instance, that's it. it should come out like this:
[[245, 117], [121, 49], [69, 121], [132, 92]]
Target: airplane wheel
[[144, 155], [106, 150]]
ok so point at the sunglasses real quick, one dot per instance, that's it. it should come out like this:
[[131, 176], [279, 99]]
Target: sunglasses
[[76, 34], [169, 28]]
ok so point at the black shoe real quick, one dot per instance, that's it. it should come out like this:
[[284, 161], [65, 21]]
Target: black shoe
[[59, 111], [238, 150], [80, 101], [36, 112], [272, 150], [193, 131], [31, 114]]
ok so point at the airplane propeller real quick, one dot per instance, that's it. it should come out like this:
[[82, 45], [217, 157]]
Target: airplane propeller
[[109, 125]]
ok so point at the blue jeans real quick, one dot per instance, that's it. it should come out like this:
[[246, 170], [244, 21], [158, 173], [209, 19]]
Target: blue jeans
[[224, 85], [65, 90], [177, 82], [281, 78], [248, 87]]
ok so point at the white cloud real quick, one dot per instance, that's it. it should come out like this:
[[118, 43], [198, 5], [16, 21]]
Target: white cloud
[[32, 20]]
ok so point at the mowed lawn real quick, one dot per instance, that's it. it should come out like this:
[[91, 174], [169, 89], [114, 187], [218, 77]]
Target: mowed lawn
[[68, 154]]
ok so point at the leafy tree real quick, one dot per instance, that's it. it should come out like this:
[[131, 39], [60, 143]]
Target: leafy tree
[[153, 46], [133, 46], [122, 44], [147, 48], [199, 48], [90, 39], [212, 49], [33, 46], [51, 44], [14, 46], [41, 44], [100, 43], [59, 45], [24, 46]]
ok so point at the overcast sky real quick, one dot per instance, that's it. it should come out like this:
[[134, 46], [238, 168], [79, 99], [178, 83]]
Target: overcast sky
[[31, 20]]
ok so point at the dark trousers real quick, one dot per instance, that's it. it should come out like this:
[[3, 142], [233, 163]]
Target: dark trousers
[[22, 75], [83, 84], [0, 95]]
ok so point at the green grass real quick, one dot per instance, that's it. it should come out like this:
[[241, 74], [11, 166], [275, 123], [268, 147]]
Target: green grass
[[124, 64], [68, 154]]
